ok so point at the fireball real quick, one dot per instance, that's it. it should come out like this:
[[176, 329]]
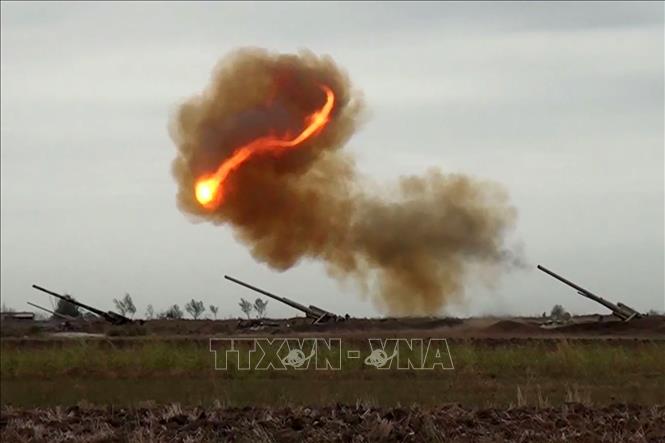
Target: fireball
[[209, 189]]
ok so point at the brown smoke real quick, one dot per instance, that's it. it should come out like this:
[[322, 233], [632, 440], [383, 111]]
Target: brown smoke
[[411, 248]]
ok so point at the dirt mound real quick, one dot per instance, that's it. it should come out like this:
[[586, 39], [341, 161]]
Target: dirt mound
[[587, 326], [513, 327], [642, 326], [572, 422], [381, 324]]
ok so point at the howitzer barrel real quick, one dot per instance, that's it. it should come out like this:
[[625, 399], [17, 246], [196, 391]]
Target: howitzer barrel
[[109, 316], [48, 291], [72, 301], [55, 314], [617, 310], [284, 300], [608, 304], [561, 279]]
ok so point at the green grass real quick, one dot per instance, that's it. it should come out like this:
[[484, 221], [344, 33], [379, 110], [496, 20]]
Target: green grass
[[496, 374], [97, 359]]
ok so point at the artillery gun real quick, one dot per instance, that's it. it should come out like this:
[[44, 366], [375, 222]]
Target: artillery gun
[[53, 313], [110, 316], [315, 313], [620, 310]]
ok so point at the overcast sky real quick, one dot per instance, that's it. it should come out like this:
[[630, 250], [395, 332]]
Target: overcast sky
[[562, 103]]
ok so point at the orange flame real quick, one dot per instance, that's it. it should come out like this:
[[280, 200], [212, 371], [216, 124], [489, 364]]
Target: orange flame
[[209, 188]]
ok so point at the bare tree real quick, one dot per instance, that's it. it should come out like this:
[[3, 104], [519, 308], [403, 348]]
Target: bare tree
[[125, 305], [260, 307], [149, 312], [214, 309], [246, 307], [195, 308], [559, 313], [66, 308], [130, 305], [172, 313]]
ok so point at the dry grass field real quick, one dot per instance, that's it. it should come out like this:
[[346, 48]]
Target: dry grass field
[[511, 381]]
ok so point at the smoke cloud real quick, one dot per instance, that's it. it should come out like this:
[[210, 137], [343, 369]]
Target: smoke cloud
[[411, 247]]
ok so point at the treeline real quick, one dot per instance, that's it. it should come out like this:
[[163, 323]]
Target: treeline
[[196, 309]]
